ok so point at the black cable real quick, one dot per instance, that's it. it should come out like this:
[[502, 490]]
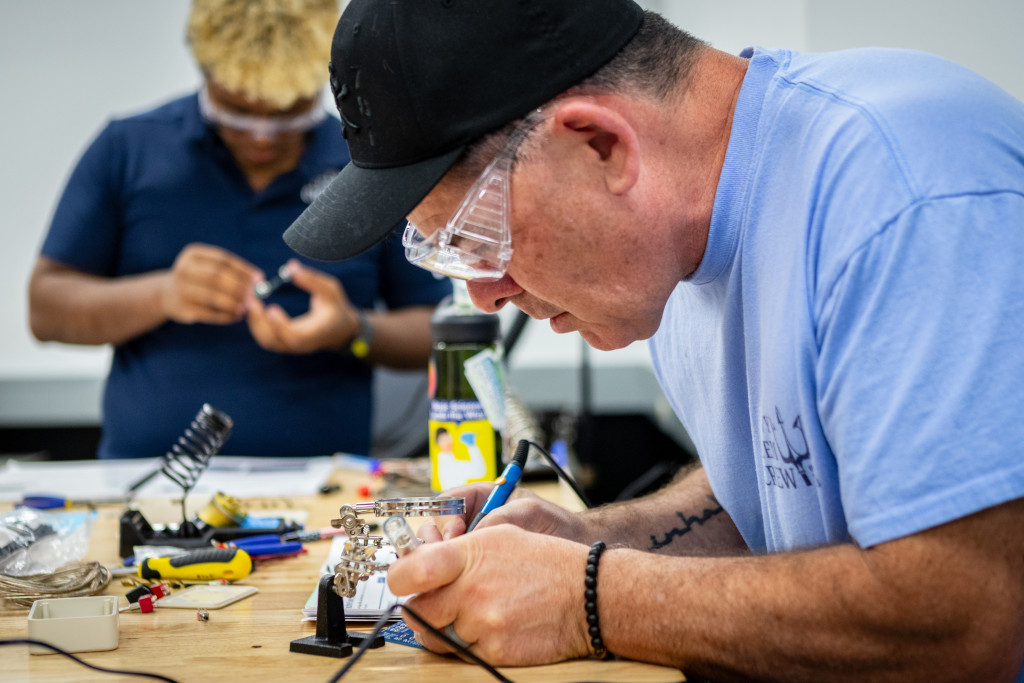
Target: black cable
[[382, 622], [377, 628], [444, 636], [116, 672], [563, 475], [514, 331]]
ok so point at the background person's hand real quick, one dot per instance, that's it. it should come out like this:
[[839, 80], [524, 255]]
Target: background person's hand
[[329, 324], [208, 284]]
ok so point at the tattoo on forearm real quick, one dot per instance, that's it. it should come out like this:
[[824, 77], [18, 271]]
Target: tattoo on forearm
[[689, 521]]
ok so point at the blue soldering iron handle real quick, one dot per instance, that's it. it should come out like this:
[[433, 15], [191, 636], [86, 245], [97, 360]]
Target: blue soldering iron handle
[[506, 483]]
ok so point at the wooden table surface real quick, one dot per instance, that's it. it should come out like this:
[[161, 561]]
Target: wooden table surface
[[250, 639]]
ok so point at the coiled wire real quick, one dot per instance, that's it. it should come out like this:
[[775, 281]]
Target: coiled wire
[[71, 580]]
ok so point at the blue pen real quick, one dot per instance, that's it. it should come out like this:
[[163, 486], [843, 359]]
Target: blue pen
[[504, 484]]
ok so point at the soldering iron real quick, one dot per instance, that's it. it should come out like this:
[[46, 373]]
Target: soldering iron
[[505, 484]]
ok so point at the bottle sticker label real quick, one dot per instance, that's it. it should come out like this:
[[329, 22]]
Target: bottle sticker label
[[462, 444], [486, 375]]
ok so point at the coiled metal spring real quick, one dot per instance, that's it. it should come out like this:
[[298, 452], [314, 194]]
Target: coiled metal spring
[[189, 457]]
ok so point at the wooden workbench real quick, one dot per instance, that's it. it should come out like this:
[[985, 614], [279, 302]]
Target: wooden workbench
[[249, 640]]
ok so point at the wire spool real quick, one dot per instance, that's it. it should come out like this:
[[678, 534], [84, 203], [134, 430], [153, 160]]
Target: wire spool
[[222, 510]]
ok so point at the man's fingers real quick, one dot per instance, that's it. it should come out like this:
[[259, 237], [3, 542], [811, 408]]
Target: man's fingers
[[431, 566], [219, 267], [429, 532], [475, 494], [451, 526], [271, 328], [421, 604], [312, 280], [209, 285]]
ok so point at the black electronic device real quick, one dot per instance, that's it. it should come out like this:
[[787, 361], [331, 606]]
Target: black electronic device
[[136, 530]]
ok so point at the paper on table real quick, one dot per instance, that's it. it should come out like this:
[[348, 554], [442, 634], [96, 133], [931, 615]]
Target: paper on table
[[239, 476], [372, 596]]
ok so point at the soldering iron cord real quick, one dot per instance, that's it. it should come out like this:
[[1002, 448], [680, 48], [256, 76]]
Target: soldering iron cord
[[382, 622], [563, 475], [118, 672]]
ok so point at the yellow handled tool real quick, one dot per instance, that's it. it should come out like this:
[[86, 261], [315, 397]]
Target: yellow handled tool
[[232, 564]]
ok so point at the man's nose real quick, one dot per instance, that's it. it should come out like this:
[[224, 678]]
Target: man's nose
[[491, 295]]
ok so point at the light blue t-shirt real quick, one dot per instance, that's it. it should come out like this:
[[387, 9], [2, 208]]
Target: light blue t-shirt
[[849, 356]]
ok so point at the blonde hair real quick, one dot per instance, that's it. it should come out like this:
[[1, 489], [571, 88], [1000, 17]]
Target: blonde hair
[[271, 50]]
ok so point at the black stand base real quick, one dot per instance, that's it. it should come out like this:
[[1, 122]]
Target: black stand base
[[331, 639], [135, 530]]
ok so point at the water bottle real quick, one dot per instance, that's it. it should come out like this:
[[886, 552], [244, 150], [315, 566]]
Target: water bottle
[[466, 393]]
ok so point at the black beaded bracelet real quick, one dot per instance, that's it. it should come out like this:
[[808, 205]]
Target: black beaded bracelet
[[590, 601]]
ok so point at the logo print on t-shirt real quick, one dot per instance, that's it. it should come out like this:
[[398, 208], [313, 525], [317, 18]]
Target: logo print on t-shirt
[[786, 446]]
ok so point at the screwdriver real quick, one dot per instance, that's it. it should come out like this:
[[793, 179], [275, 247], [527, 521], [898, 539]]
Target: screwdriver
[[211, 564], [42, 502]]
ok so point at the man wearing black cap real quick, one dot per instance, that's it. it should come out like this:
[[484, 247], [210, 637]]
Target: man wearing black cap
[[824, 251]]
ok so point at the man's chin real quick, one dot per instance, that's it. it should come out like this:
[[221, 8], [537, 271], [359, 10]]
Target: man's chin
[[563, 323], [605, 343]]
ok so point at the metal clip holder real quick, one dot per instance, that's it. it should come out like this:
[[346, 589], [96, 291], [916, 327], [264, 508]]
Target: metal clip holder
[[357, 560], [357, 564]]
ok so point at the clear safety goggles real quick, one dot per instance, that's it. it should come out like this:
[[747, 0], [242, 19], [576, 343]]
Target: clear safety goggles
[[259, 126], [476, 243]]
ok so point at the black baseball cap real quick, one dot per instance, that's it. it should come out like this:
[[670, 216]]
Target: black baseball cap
[[416, 81]]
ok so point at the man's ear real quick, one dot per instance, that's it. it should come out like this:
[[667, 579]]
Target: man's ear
[[609, 135]]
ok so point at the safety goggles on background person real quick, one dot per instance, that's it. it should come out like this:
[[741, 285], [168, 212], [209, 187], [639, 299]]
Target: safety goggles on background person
[[476, 243], [259, 126]]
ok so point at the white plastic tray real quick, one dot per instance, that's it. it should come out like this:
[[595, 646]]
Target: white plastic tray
[[74, 624]]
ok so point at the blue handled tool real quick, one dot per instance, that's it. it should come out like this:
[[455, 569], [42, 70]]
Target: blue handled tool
[[504, 484], [260, 539], [40, 502], [265, 545]]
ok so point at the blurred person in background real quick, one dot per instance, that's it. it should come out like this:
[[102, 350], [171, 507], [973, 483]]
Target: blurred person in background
[[173, 216]]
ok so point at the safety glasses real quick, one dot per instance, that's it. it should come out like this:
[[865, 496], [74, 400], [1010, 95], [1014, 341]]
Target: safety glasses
[[476, 243], [259, 126]]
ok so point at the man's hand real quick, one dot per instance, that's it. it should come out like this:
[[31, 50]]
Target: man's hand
[[524, 509], [208, 284], [496, 604], [330, 322]]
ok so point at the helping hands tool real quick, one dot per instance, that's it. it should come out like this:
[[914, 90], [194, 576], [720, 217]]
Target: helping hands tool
[[400, 533], [213, 564], [357, 564]]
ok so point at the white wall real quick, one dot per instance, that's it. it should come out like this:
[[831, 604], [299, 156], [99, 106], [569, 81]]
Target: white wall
[[984, 35], [69, 65]]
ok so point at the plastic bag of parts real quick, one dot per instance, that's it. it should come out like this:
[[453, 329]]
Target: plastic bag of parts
[[37, 542]]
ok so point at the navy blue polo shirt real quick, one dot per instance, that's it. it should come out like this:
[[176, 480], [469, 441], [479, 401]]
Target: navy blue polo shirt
[[149, 185]]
